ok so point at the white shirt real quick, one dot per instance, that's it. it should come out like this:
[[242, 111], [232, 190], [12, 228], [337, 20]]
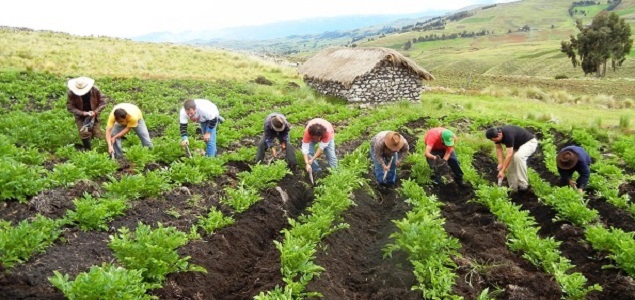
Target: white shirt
[[205, 111]]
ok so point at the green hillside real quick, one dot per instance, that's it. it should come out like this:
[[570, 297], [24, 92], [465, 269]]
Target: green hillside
[[506, 50]]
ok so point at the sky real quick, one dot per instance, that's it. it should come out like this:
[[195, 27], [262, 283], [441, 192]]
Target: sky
[[129, 18]]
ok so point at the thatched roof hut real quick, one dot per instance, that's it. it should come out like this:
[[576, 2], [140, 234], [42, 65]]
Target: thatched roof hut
[[364, 74]]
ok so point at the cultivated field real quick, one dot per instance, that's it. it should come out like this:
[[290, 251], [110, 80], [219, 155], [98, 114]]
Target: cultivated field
[[156, 224]]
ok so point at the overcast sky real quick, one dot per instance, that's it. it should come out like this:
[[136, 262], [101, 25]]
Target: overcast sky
[[128, 18]]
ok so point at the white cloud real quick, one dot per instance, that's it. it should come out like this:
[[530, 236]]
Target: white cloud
[[129, 18]]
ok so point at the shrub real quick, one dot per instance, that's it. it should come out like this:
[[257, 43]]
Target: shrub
[[92, 214]]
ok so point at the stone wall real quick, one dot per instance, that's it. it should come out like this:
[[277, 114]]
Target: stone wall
[[384, 83]]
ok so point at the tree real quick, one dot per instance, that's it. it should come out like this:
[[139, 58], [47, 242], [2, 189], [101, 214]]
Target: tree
[[608, 37]]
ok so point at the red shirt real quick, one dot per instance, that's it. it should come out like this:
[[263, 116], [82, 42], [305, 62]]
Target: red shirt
[[326, 137], [433, 138]]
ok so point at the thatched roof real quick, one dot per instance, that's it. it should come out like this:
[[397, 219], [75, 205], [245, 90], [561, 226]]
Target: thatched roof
[[345, 64]]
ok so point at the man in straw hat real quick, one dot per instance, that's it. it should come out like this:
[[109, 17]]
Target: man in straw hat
[[519, 144], [123, 118], [387, 150], [318, 132], [206, 114], [440, 150], [85, 102], [276, 127], [571, 159]]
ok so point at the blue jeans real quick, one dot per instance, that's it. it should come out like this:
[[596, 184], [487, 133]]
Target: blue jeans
[[391, 177], [329, 151], [210, 149]]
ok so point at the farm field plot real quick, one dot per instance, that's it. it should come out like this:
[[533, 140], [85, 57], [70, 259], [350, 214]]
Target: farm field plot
[[170, 227]]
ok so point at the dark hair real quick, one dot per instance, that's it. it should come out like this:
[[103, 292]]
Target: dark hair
[[120, 113], [317, 130], [492, 132], [189, 104]]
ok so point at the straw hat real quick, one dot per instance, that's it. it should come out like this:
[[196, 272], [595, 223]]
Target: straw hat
[[566, 159], [80, 85], [394, 141]]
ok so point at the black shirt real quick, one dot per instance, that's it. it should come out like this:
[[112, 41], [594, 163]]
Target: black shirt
[[514, 136], [86, 102]]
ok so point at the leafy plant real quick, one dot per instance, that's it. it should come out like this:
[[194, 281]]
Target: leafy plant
[[66, 174], [152, 250], [91, 213], [214, 220], [94, 164], [19, 181], [106, 282], [18, 243], [181, 173], [241, 198], [264, 176], [139, 156]]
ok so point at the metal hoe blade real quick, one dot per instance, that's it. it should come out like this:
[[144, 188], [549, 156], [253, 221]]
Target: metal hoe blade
[[311, 178], [500, 181]]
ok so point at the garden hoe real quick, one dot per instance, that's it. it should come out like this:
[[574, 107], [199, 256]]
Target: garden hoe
[[389, 164], [273, 157], [187, 151]]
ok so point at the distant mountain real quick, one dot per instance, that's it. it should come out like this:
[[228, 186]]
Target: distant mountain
[[284, 29]]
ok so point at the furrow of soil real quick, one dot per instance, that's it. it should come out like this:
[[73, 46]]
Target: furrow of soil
[[573, 244], [355, 268], [241, 260]]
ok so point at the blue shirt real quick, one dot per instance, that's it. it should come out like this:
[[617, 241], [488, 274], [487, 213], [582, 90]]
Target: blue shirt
[[582, 167]]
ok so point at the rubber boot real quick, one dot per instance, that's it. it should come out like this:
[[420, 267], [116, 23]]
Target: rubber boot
[[87, 144]]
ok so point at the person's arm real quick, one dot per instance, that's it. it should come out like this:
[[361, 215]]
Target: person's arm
[[583, 179], [316, 155], [109, 139], [499, 156], [448, 152], [101, 104], [269, 137], [508, 159], [121, 133], [70, 106], [403, 152], [428, 152]]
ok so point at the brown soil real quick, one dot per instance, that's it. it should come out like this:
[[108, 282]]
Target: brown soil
[[242, 260]]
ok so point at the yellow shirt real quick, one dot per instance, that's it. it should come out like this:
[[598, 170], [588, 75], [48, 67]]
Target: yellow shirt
[[132, 118]]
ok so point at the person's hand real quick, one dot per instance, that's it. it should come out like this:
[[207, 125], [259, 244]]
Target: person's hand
[[398, 163], [273, 151], [386, 168], [308, 168], [500, 175], [310, 161], [499, 167], [184, 142], [572, 183], [283, 146], [110, 149], [206, 136]]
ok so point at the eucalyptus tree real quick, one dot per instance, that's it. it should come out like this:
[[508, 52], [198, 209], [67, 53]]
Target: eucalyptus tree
[[607, 37]]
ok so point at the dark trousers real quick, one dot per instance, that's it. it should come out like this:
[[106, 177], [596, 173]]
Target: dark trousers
[[289, 155], [453, 163]]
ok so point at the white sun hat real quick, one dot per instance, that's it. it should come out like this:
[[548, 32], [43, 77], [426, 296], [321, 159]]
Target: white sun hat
[[81, 85]]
